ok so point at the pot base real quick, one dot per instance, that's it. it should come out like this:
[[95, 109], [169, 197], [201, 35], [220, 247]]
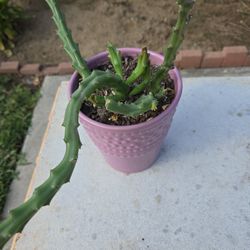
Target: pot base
[[133, 164]]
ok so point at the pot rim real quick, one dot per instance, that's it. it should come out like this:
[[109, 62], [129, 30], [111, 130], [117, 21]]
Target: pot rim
[[174, 73]]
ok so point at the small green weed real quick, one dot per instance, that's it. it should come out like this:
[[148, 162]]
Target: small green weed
[[10, 15]]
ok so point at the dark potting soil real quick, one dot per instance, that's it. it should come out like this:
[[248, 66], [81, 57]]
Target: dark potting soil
[[102, 115]]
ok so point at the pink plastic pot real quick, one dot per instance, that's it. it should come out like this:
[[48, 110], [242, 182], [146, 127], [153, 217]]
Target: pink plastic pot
[[131, 148]]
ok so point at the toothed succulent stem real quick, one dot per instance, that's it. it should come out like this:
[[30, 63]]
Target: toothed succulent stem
[[142, 64], [99, 101], [145, 82], [177, 35], [61, 174], [175, 40], [72, 49], [115, 59]]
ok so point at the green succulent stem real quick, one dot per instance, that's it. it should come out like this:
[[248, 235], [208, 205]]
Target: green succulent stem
[[145, 82], [61, 174], [142, 64], [99, 101], [140, 106], [105, 80], [115, 59], [155, 83], [42, 195], [177, 35], [72, 49], [175, 40]]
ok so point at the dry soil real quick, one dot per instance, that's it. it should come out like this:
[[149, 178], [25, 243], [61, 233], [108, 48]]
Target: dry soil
[[129, 23]]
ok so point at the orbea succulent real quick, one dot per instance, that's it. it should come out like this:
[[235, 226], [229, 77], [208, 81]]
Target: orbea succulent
[[149, 91]]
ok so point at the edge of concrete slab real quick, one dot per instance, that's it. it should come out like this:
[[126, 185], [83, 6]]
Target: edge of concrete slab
[[33, 143], [216, 72], [29, 189]]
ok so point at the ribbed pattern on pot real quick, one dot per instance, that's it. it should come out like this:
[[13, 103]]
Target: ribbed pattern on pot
[[131, 143]]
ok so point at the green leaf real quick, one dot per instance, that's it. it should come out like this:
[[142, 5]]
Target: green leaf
[[11, 44], [10, 33], [8, 52], [2, 47]]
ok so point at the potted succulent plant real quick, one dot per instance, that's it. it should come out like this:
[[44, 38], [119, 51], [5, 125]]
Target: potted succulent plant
[[129, 122], [125, 98]]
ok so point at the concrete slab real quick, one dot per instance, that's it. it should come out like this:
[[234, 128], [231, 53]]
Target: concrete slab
[[196, 196]]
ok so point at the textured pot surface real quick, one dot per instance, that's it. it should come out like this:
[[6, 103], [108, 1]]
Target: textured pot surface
[[131, 148]]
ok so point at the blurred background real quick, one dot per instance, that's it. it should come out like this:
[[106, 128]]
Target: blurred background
[[130, 23]]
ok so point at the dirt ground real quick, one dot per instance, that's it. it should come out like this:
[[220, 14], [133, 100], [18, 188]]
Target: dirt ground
[[130, 23]]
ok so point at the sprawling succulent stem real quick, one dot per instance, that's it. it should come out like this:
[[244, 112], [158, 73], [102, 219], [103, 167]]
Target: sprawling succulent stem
[[78, 63], [61, 174], [140, 106], [115, 59], [142, 63]]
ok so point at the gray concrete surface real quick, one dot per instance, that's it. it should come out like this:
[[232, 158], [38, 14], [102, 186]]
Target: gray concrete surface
[[244, 71], [196, 196], [32, 142]]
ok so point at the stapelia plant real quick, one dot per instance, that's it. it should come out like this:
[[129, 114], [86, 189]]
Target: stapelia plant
[[90, 83]]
